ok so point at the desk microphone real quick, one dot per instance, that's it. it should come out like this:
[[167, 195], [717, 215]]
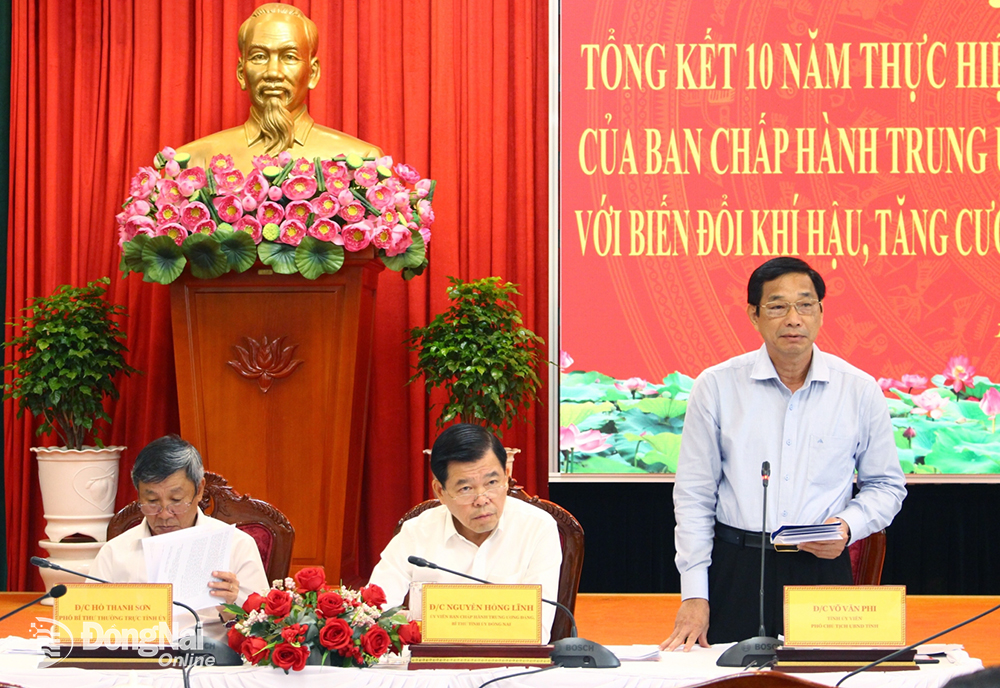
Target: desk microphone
[[56, 591], [759, 650], [223, 654], [916, 644], [567, 652]]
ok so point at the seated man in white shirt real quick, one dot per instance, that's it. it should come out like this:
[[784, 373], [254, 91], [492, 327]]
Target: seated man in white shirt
[[479, 532], [170, 479]]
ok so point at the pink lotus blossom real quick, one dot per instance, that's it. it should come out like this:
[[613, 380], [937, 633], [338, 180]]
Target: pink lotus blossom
[[249, 204], [144, 182], [402, 239], [887, 383], [382, 238], [298, 210], [958, 373], [394, 185], [928, 404], [193, 213], [565, 361], [357, 236], [206, 227], [406, 173], [168, 191], [303, 166], [229, 182], [284, 157], [221, 163], [173, 230], [912, 382], [262, 161], [423, 188], [366, 175], [172, 169], [168, 153], [292, 232], [384, 161], [909, 433], [335, 169], [325, 230], [275, 193], [249, 225], [990, 403], [193, 178], [426, 234], [337, 186], [228, 208], [270, 212], [588, 442], [379, 197], [138, 224], [256, 186], [325, 205], [634, 385], [299, 187], [167, 214], [352, 212], [137, 207], [426, 213]]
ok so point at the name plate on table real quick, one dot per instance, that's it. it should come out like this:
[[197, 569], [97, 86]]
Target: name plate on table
[[118, 614], [482, 614], [845, 615]]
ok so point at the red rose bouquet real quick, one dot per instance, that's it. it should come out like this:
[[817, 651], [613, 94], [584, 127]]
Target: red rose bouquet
[[303, 621]]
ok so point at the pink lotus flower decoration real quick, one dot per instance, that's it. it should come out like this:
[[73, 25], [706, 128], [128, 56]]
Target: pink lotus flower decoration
[[193, 213], [357, 236], [175, 231], [634, 385], [249, 225], [230, 181], [194, 177], [221, 163], [958, 373], [366, 175], [325, 205], [407, 173], [298, 210], [401, 239], [228, 208], [887, 383], [144, 182], [587, 442], [270, 212], [912, 382], [262, 161], [168, 192], [292, 232], [928, 404], [990, 404], [299, 188], [256, 186], [325, 230], [565, 361], [304, 167]]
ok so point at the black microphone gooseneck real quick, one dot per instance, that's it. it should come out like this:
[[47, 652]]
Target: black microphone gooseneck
[[566, 652], [759, 650], [56, 591], [223, 654], [900, 651]]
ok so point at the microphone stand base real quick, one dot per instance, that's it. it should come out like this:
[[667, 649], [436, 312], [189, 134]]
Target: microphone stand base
[[580, 652], [759, 650]]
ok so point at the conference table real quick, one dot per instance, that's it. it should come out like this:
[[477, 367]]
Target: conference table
[[615, 620]]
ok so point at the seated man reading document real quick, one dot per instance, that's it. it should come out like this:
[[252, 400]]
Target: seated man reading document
[[479, 532], [169, 478], [817, 420]]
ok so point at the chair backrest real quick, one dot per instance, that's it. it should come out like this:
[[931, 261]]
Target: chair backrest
[[571, 538], [269, 528], [867, 557], [759, 679]]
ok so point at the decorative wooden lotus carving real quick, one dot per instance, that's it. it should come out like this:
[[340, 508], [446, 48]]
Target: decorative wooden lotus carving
[[265, 362]]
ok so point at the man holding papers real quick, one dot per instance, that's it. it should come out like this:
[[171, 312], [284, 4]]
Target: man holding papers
[[169, 478], [816, 419], [479, 532]]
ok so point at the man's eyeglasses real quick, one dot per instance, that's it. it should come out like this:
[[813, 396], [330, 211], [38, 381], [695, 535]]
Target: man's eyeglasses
[[779, 309], [467, 494], [172, 509]]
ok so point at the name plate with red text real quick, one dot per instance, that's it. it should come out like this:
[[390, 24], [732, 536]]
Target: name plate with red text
[[482, 614]]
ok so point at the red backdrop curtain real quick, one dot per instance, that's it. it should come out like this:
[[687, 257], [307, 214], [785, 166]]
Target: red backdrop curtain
[[456, 88]]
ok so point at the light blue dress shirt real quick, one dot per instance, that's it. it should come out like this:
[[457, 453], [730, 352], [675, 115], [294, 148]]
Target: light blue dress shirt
[[740, 414]]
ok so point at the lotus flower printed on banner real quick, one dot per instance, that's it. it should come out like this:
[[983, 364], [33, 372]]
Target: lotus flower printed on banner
[[302, 620], [294, 215]]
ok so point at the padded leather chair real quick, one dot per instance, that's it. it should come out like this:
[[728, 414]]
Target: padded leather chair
[[867, 558], [269, 528], [571, 538]]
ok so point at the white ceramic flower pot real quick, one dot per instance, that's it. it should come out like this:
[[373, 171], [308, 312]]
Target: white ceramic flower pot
[[77, 556], [78, 490]]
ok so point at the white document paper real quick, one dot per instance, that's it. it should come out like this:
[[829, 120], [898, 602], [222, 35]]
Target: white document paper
[[186, 559]]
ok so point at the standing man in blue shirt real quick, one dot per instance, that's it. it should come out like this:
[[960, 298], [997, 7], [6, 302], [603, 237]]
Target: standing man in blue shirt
[[817, 420]]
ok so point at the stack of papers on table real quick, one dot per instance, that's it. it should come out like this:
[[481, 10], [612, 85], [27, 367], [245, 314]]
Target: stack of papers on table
[[790, 536]]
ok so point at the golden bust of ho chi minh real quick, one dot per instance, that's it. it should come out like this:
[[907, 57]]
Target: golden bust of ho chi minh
[[277, 67]]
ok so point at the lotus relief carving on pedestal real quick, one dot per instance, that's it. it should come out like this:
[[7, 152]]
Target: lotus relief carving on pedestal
[[265, 362]]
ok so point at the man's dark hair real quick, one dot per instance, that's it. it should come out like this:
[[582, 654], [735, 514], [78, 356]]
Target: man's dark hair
[[161, 458], [984, 678], [463, 443], [775, 268]]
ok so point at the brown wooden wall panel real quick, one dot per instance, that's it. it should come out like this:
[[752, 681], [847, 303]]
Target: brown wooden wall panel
[[300, 444]]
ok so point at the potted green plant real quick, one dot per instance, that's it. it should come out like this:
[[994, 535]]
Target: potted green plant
[[481, 354], [67, 357]]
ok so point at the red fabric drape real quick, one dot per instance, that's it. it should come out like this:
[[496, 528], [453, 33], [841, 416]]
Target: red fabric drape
[[456, 88]]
